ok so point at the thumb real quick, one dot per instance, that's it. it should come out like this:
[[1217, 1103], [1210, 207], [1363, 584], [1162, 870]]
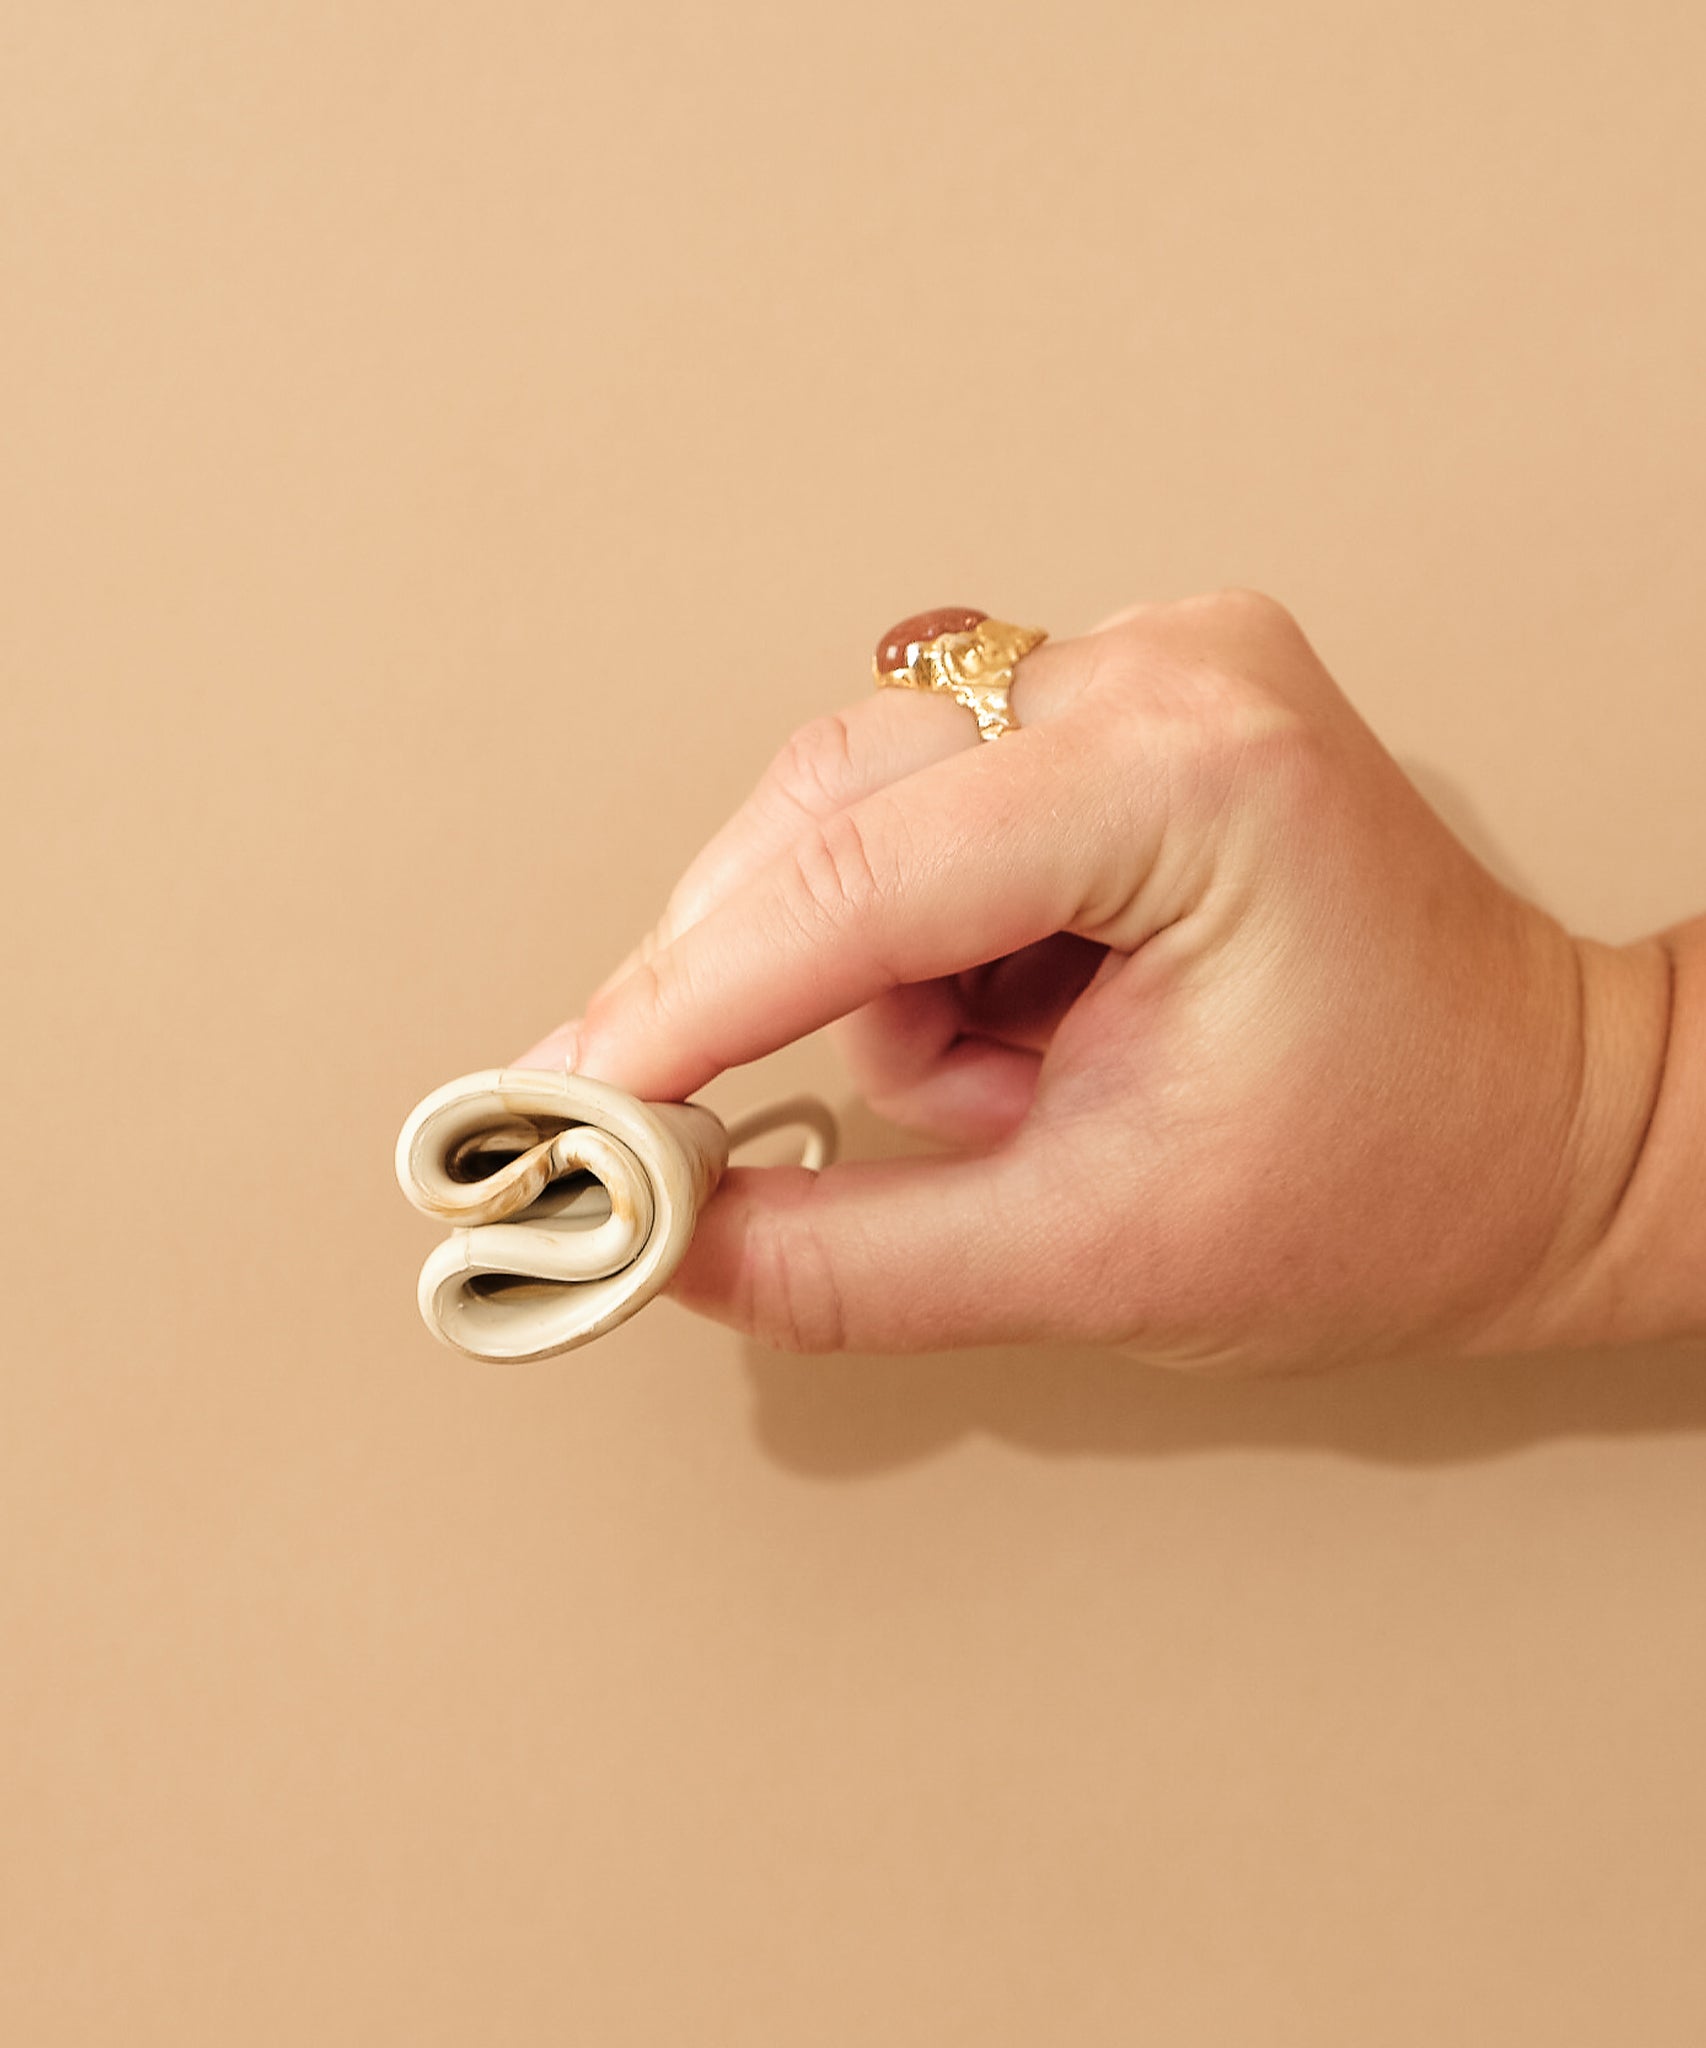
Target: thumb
[[886, 1255]]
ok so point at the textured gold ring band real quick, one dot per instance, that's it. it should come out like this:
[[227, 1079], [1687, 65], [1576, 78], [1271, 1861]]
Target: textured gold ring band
[[958, 653]]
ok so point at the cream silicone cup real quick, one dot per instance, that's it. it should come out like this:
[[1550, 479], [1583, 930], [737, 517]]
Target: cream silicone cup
[[572, 1202]]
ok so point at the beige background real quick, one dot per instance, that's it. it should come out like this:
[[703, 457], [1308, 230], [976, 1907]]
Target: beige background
[[443, 440]]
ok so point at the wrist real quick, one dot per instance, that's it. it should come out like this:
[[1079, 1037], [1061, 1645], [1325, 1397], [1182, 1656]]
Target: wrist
[[1628, 1263]]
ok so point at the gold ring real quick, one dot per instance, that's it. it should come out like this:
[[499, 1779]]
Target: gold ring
[[963, 654]]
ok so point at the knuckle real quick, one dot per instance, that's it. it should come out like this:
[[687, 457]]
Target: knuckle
[[1242, 686], [813, 772], [1248, 719], [836, 871], [1247, 609], [1223, 696], [1202, 648], [1237, 633], [1256, 744]]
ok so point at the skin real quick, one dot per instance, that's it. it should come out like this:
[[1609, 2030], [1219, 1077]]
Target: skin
[[1243, 1061]]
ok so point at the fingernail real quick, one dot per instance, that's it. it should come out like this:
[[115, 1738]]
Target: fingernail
[[570, 1046], [559, 1048]]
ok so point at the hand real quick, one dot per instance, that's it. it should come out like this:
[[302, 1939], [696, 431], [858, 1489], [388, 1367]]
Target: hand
[[1246, 1061]]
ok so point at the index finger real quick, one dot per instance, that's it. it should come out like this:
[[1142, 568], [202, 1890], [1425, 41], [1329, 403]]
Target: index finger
[[841, 756], [945, 869]]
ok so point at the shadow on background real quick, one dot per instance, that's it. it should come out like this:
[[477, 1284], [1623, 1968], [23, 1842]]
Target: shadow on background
[[844, 1415]]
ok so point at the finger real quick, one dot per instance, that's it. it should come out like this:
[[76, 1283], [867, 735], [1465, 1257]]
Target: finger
[[558, 1047], [913, 1255], [1018, 1001], [916, 1064], [894, 1043], [1022, 998], [958, 1059], [827, 765], [943, 871], [836, 760], [976, 1094]]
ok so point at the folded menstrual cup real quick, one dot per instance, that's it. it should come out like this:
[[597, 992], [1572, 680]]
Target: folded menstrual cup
[[573, 1202]]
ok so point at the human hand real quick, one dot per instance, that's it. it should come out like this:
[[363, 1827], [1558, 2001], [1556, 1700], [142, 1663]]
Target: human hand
[[1246, 1061]]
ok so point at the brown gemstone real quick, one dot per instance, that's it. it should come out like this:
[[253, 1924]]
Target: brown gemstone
[[948, 618]]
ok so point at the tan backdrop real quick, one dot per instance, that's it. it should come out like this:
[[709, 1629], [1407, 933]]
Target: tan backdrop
[[444, 443]]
